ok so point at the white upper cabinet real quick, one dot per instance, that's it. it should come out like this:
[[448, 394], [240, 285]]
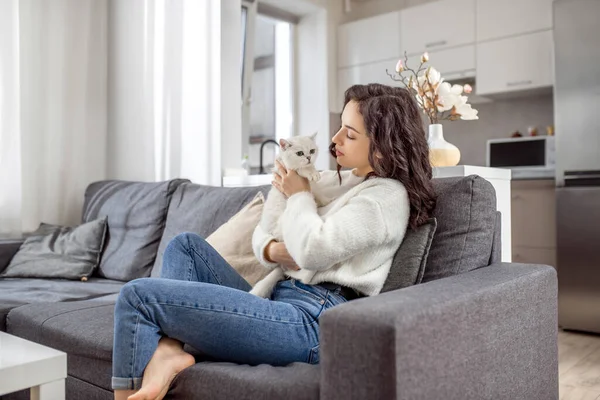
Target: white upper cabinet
[[515, 63], [363, 74], [369, 40], [455, 63], [497, 19], [437, 25]]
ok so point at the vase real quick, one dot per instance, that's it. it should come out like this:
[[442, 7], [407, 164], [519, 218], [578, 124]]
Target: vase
[[441, 153]]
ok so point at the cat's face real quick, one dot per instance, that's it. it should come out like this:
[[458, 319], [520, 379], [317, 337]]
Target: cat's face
[[299, 151]]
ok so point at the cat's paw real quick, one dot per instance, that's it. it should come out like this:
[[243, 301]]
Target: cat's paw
[[314, 176], [260, 292], [262, 289]]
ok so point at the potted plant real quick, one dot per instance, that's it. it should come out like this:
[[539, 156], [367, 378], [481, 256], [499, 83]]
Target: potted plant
[[439, 101]]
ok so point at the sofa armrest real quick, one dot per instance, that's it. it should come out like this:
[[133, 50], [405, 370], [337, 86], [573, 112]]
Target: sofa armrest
[[8, 248], [485, 334]]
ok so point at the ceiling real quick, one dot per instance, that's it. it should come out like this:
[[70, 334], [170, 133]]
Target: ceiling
[[297, 7]]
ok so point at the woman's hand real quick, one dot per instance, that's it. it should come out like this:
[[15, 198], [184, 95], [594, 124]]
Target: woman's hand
[[277, 253], [289, 182]]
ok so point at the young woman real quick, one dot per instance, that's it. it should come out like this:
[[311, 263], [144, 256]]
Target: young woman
[[349, 243]]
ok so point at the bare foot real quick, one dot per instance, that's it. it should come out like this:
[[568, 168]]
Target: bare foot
[[123, 394], [167, 361]]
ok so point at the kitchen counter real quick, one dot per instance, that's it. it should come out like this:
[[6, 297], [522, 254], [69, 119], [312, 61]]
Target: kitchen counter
[[533, 173]]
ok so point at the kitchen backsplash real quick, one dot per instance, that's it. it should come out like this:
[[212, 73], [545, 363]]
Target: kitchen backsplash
[[497, 119]]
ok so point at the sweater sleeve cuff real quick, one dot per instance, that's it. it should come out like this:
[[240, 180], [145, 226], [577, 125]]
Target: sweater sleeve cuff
[[263, 241], [300, 202]]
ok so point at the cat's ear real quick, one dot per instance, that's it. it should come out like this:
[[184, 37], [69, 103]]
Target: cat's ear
[[314, 136], [284, 144]]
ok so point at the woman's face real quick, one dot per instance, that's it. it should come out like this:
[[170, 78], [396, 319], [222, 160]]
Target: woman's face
[[351, 141]]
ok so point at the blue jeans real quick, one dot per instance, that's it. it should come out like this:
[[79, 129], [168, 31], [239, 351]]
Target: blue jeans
[[202, 301]]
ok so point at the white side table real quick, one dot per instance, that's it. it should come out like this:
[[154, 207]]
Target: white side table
[[500, 180], [25, 364]]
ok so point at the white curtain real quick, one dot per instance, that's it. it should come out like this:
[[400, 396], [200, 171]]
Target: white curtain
[[165, 68], [53, 109], [144, 90], [10, 139]]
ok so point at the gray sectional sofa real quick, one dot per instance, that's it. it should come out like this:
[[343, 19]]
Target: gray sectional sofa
[[475, 328]]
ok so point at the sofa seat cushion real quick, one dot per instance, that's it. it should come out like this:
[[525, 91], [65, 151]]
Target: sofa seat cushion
[[466, 221], [218, 380], [5, 308], [224, 381], [84, 330], [24, 291], [90, 370], [80, 328]]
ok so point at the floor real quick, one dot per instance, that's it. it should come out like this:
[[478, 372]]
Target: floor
[[578, 366]]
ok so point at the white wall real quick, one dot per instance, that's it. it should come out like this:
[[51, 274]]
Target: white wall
[[334, 17], [312, 89]]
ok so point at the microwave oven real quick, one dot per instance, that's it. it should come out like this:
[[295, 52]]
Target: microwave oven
[[531, 152]]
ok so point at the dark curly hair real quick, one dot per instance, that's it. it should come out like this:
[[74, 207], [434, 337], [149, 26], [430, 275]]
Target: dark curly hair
[[398, 147]]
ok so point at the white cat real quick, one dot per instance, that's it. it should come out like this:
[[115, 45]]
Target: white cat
[[299, 154]]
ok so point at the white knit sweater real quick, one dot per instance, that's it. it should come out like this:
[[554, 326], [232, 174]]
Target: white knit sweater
[[352, 240]]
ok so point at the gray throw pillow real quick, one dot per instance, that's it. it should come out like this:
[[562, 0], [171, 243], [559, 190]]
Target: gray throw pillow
[[466, 222], [55, 251], [136, 213], [408, 265]]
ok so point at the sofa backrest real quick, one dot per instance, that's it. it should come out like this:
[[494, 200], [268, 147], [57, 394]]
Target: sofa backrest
[[496, 255], [136, 214], [465, 236], [202, 209]]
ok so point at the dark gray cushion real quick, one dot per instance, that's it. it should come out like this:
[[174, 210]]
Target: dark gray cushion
[[202, 209], [25, 290], [76, 388], [225, 381], [5, 308], [82, 328], [8, 249], [54, 251], [136, 217], [496, 255], [466, 217], [408, 265]]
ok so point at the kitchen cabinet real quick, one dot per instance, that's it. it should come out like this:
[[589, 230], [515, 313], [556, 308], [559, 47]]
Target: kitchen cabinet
[[498, 19], [534, 255], [515, 63], [455, 63], [533, 221], [369, 40], [367, 73], [437, 25]]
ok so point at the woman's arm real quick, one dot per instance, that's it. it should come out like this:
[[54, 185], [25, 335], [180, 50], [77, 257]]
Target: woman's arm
[[317, 244], [260, 242], [271, 253]]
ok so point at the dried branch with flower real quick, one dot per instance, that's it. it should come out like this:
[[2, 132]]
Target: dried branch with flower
[[439, 100]]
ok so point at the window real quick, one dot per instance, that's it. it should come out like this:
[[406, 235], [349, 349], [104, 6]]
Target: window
[[267, 84]]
